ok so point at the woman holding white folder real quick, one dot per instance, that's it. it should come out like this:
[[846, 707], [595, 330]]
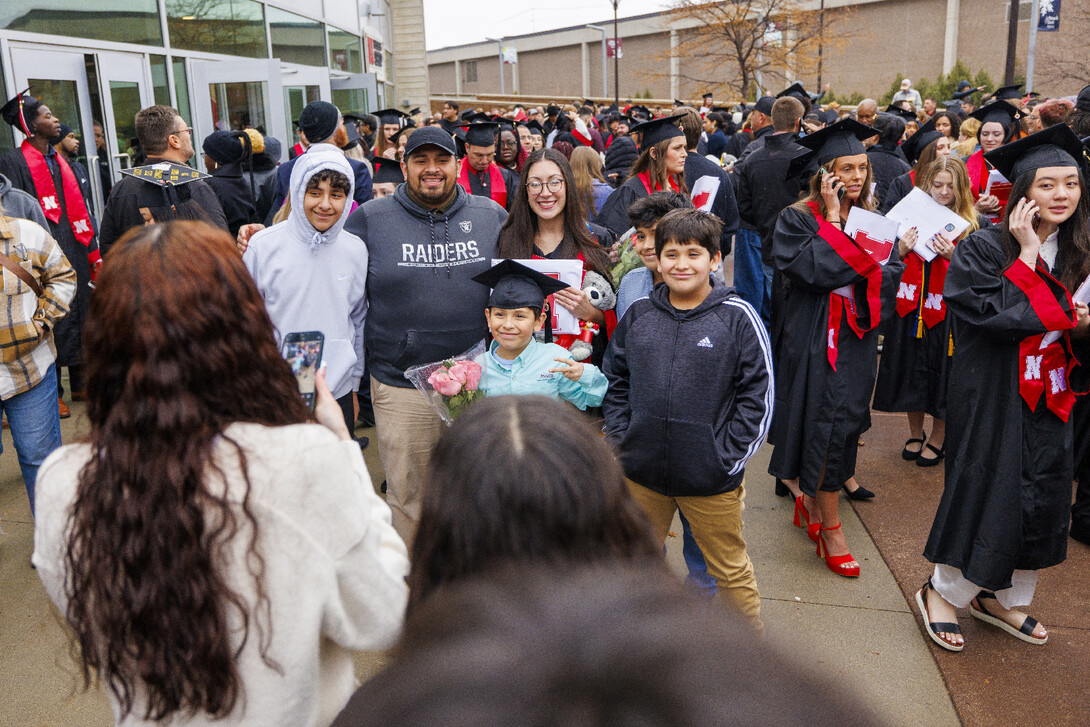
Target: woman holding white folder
[[919, 343]]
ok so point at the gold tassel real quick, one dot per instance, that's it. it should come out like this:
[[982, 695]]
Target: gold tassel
[[951, 349], [919, 326]]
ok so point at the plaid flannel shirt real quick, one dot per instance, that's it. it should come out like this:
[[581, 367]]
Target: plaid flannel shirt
[[26, 321]]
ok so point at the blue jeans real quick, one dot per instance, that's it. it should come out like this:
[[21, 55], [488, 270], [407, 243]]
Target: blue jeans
[[694, 560], [752, 278], [35, 427]]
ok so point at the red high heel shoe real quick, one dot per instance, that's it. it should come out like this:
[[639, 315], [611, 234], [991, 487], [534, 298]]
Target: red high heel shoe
[[836, 563], [801, 514]]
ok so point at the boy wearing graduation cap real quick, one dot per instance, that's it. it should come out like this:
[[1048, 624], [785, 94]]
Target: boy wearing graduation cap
[[516, 363], [479, 174], [690, 399]]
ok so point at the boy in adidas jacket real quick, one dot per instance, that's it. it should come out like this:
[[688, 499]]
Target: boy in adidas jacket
[[690, 400]]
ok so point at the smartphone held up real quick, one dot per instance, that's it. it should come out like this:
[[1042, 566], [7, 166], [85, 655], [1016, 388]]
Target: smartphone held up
[[303, 352]]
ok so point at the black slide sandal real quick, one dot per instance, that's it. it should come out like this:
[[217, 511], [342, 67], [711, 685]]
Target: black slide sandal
[[934, 628]]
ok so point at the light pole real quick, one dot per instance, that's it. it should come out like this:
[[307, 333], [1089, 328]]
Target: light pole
[[616, 60], [499, 42], [605, 80]]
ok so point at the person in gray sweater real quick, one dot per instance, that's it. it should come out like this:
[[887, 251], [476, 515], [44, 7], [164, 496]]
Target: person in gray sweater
[[312, 274], [17, 203], [425, 244]]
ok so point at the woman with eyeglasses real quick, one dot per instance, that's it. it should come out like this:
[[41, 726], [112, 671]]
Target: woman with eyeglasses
[[548, 220]]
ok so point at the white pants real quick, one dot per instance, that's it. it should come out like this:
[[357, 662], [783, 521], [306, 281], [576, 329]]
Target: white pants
[[958, 590]]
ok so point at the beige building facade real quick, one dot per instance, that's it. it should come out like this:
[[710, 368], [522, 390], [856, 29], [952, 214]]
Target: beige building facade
[[875, 42]]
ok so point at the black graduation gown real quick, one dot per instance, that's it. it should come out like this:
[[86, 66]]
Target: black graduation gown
[[898, 189], [886, 165], [1007, 500], [724, 206], [614, 213], [480, 188], [914, 372], [68, 333], [819, 412]]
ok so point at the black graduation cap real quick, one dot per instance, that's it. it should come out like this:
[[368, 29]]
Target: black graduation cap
[[534, 126], [1006, 92], [999, 112], [678, 103], [914, 145], [902, 112], [166, 174], [639, 112], [707, 95], [516, 286], [352, 119], [20, 111], [353, 133], [797, 90], [844, 138], [656, 130], [387, 171], [723, 110], [954, 105], [476, 117], [1056, 146], [391, 116], [414, 112], [402, 130], [482, 134]]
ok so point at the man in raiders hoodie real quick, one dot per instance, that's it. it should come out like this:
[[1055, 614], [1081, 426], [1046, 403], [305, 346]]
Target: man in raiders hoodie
[[425, 243]]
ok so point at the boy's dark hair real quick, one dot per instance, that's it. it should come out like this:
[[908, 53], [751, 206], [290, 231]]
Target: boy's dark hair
[[689, 226], [452, 104], [336, 180], [153, 125], [535, 311], [647, 211], [497, 494]]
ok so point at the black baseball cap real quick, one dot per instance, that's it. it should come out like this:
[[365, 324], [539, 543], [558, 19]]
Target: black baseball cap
[[430, 136]]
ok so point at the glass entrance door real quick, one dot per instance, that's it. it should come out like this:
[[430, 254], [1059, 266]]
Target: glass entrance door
[[231, 96], [301, 86], [125, 88]]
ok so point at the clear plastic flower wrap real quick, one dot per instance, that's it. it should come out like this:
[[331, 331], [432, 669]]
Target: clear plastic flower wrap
[[452, 384]]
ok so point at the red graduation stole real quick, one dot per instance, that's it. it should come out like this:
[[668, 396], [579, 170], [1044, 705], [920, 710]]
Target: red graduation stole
[[978, 167], [839, 306], [496, 188], [645, 178], [910, 293], [47, 193], [1045, 371]]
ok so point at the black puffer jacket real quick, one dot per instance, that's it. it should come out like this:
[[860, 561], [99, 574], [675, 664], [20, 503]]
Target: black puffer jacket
[[620, 156]]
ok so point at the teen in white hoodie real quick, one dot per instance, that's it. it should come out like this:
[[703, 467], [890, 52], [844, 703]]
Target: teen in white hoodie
[[312, 274]]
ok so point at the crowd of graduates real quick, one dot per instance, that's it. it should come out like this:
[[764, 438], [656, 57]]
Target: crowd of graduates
[[219, 551]]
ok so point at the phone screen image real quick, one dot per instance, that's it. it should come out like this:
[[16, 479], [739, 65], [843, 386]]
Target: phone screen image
[[303, 352]]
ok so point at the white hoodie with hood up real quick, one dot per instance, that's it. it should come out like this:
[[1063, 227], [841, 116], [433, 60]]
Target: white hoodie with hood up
[[316, 281]]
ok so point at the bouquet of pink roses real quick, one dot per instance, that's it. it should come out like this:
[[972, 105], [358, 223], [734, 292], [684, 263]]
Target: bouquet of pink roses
[[450, 385]]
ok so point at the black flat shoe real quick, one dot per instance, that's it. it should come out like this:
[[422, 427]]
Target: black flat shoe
[[940, 455], [860, 493], [907, 454]]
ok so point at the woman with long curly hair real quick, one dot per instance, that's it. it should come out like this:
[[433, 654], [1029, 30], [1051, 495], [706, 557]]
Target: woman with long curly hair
[[217, 556], [1006, 504], [548, 220], [827, 351], [660, 166]]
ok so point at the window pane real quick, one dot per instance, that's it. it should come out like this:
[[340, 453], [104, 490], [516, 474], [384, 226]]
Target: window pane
[[295, 99], [238, 106], [344, 51], [63, 102], [160, 85], [351, 100], [124, 21], [181, 91], [125, 99], [233, 27], [296, 39]]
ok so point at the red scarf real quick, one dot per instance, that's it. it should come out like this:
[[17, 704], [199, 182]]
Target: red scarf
[[1045, 371], [47, 193], [839, 306], [496, 188], [645, 178], [978, 169], [910, 295]]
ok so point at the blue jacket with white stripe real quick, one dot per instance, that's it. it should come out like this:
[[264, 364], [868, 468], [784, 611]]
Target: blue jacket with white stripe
[[690, 392]]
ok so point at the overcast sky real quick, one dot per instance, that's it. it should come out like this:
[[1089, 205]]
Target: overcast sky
[[447, 22]]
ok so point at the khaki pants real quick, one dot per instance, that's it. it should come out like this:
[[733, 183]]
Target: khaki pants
[[716, 521], [408, 429]]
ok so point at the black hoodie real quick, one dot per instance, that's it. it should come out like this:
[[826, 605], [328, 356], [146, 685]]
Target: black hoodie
[[422, 304], [690, 392]]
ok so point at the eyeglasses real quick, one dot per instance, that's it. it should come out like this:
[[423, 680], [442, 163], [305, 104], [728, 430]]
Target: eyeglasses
[[509, 143], [186, 130], [555, 185]]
